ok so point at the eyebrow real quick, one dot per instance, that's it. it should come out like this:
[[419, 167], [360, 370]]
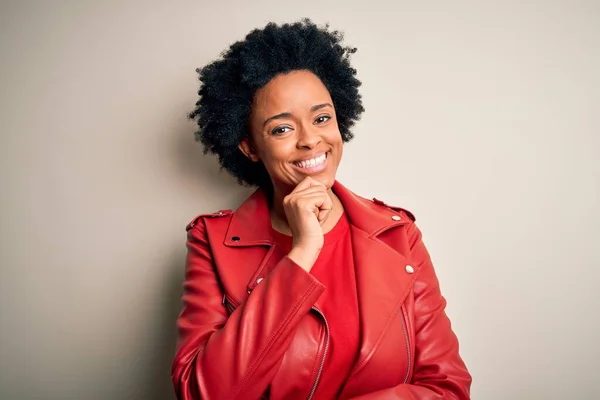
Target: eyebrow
[[289, 115]]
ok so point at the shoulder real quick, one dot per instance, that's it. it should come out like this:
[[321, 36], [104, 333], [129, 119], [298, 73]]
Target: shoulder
[[401, 210], [200, 217]]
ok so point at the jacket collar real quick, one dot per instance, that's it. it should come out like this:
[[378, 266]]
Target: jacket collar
[[251, 224]]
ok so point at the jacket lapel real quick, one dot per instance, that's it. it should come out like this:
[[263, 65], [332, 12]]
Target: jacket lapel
[[381, 279]]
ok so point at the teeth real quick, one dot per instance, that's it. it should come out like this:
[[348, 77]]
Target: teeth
[[312, 162]]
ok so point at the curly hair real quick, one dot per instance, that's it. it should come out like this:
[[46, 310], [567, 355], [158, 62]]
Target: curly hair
[[229, 84]]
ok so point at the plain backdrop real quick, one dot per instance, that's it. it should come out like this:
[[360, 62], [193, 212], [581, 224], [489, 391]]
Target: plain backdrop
[[482, 117]]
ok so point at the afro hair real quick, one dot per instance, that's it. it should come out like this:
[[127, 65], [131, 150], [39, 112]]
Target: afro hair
[[228, 86]]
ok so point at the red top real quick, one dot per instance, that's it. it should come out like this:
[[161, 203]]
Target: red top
[[335, 270]]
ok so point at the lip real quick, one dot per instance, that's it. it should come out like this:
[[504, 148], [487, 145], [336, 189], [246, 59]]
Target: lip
[[310, 157], [312, 170]]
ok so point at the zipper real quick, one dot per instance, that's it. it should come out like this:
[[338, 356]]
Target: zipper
[[228, 303], [405, 331], [314, 388]]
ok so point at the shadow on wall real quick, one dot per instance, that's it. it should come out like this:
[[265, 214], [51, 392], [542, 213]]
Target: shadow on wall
[[159, 385], [200, 172]]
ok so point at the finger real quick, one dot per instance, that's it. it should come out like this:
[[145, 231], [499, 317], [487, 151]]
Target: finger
[[315, 182], [306, 183], [318, 198], [308, 191], [319, 203], [323, 214], [325, 209], [298, 196]]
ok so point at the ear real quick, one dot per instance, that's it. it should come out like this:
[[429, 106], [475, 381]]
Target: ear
[[248, 149]]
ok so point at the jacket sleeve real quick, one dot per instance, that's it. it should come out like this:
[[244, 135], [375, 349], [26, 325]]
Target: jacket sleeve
[[439, 372], [236, 356]]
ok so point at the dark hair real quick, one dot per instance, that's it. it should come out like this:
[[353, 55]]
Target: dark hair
[[229, 84]]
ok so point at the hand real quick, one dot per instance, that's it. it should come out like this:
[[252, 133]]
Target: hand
[[306, 208]]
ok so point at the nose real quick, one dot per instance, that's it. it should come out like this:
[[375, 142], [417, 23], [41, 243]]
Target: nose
[[308, 137]]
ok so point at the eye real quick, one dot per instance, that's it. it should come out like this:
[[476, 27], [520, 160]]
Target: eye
[[280, 130], [322, 119]]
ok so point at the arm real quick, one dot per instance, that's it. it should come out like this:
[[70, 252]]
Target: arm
[[221, 357], [439, 372]]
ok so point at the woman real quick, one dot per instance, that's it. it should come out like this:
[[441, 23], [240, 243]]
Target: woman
[[307, 291]]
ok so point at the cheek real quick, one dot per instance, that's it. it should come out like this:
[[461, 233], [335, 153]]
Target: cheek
[[335, 138], [337, 143], [277, 153]]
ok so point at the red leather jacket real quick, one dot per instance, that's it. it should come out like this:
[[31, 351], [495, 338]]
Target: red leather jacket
[[249, 329]]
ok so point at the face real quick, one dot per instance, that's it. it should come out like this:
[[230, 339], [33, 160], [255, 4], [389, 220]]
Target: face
[[294, 131]]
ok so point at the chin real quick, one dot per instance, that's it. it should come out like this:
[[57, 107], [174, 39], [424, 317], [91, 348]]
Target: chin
[[326, 180]]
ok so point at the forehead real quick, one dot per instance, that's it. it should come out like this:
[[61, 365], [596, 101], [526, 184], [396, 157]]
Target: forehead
[[292, 92]]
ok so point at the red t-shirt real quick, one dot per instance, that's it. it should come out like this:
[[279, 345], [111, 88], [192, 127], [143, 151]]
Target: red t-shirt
[[334, 268]]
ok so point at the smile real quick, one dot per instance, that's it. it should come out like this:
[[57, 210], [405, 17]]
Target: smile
[[313, 162]]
